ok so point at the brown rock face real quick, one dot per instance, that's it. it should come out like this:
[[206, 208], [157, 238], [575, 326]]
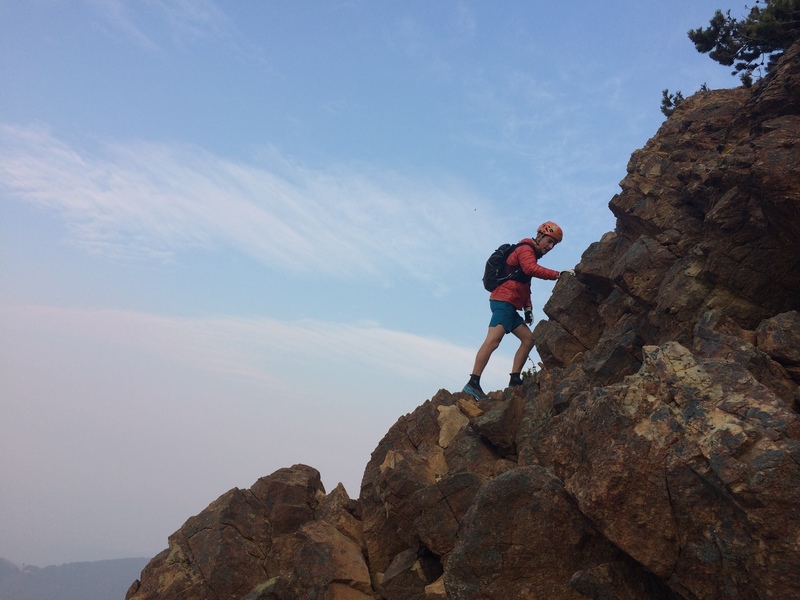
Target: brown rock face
[[282, 538], [655, 456]]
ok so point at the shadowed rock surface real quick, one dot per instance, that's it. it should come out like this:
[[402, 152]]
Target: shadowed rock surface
[[656, 455]]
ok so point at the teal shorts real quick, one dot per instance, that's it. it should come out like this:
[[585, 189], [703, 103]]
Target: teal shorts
[[504, 314]]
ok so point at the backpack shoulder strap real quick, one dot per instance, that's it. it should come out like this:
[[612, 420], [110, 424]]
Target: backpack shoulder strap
[[517, 273], [517, 245]]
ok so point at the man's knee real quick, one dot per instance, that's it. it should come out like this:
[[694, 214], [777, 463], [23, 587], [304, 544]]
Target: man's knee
[[525, 335], [491, 344]]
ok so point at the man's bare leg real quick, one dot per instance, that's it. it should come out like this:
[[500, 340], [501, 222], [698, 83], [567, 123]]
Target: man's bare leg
[[525, 336]]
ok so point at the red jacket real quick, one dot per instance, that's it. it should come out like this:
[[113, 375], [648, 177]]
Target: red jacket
[[518, 293]]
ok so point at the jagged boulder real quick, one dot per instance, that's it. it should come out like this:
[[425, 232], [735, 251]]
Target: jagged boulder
[[480, 522], [708, 218], [523, 537], [282, 538], [694, 475]]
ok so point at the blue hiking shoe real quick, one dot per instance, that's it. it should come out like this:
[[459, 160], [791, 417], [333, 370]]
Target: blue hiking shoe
[[474, 390]]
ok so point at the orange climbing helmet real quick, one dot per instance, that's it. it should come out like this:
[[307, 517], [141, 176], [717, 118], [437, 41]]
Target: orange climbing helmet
[[551, 229]]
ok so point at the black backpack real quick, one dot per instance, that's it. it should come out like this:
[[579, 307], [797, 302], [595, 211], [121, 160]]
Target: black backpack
[[497, 271]]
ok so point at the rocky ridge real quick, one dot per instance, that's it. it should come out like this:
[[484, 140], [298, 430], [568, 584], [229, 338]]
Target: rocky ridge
[[656, 455]]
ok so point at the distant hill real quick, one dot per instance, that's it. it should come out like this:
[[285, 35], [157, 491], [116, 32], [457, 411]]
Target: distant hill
[[98, 580]]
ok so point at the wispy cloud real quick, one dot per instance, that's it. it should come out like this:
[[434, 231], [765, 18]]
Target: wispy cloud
[[118, 22], [264, 351], [153, 201], [195, 19], [156, 22]]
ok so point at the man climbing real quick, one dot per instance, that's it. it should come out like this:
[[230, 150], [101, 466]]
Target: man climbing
[[512, 295]]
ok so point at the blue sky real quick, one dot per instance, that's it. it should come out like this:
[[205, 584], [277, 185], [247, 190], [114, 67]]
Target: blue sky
[[236, 236]]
